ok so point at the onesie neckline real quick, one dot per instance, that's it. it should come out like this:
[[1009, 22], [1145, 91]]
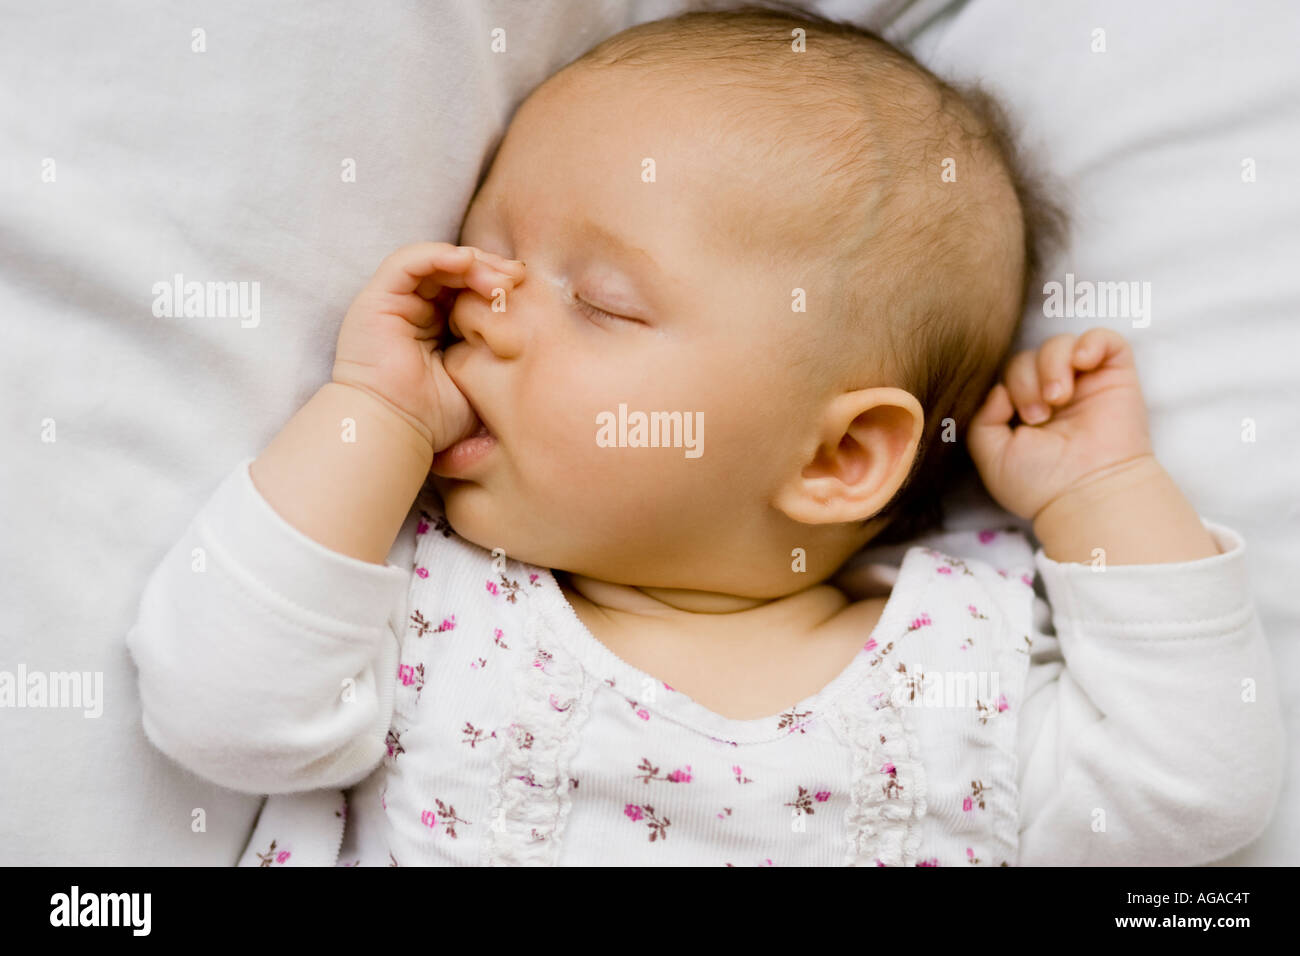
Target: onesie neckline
[[674, 705]]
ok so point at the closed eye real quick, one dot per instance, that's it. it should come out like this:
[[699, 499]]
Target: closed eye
[[601, 313]]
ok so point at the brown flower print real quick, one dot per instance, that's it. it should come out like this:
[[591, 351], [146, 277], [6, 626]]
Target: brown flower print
[[650, 772], [891, 788], [871, 645], [507, 587], [988, 711], [950, 563], [803, 803], [394, 742], [423, 626], [658, 828], [270, 857], [913, 683], [474, 736], [792, 719], [445, 817], [976, 798], [412, 677]]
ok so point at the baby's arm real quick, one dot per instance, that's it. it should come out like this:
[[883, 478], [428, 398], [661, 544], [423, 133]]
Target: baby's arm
[[1150, 732], [348, 465], [267, 639]]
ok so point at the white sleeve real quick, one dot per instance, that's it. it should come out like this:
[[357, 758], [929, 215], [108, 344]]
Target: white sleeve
[[1150, 732], [267, 662]]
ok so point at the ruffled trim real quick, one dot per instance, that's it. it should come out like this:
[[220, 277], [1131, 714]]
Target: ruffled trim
[[883, 819], [530, 797]]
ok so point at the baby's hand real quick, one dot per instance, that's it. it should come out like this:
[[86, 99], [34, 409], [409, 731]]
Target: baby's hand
[[1099, 420], [388, 345]]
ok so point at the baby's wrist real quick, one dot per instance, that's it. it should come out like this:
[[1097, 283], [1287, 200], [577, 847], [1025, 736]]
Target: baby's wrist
[[1130, 513], [397, 421]]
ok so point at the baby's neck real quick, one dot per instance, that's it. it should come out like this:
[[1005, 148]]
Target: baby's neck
[[702, 614]]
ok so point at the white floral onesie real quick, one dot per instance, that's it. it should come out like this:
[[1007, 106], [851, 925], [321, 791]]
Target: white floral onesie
[[450, 708]]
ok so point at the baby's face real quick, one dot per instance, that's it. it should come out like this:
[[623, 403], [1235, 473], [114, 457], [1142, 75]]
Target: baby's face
[[630, 200]]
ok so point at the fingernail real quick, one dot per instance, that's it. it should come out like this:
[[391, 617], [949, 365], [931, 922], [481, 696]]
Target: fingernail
[[1053, 391], [1035, 414]]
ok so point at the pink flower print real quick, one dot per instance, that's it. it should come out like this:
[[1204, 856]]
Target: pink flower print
[[666, 687], [407, 674], [1002, 702], [422, 527], [633, 812], [919, 622], [821, 796], [740, 777], [870, 645], [496, 639], [491, 587], [643, 714], [282, 856], [650, 772], [987, 535], [975, 613], [879, 862], [428, 818], [422, 572], [967, 803], [556, 705], [970, 856], [942, 569], [477, 664], [933, 861], [532, 578], [890, 769], [767, 862], [1029, 582]]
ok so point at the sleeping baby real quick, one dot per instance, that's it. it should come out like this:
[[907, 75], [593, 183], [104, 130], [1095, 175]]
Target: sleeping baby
[[479, 603]]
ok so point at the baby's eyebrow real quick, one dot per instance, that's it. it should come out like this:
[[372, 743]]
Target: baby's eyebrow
[[617, 243]]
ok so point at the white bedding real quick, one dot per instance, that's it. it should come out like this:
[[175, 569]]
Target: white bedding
[[225, 166]]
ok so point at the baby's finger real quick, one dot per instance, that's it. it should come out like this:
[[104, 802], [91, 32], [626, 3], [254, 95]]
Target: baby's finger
[[403, 271], [1100, 346], [989, 432], [478, 275], [1055, 371], [511, 267], [1021, 378], [486, 280]]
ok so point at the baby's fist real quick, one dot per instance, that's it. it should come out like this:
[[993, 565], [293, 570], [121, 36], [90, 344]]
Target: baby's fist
[[388, 344], [1080, 413]]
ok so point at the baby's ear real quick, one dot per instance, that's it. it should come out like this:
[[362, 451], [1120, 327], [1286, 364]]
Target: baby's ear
[[858, 458]]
